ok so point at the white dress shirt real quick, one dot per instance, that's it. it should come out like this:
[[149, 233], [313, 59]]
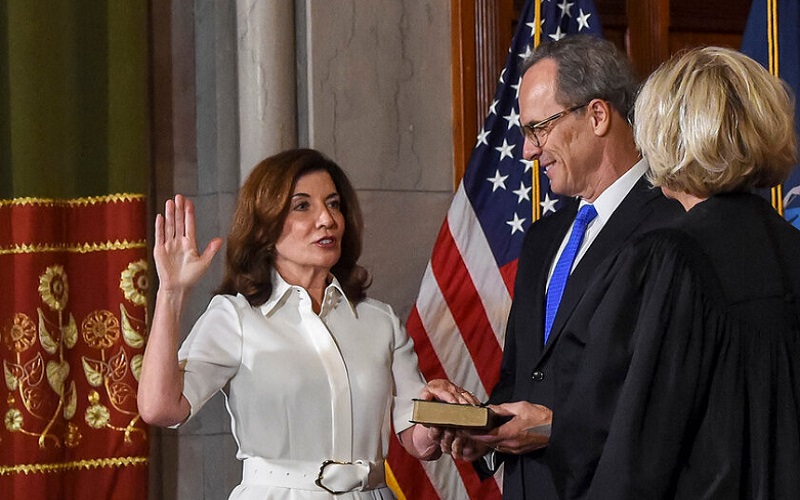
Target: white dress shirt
[[302, 386], [605, 204]]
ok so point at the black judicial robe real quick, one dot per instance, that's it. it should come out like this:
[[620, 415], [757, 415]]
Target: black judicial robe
[[689, 384]]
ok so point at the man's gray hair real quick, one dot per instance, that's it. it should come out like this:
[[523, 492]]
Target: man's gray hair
[[588, 68]]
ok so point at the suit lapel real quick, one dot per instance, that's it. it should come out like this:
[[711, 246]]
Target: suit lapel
[[629, 215], [545, 242]]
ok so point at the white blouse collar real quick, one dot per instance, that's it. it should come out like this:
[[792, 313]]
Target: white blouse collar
[[334, 294]]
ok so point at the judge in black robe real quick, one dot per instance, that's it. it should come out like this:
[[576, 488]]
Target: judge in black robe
[[689, 383]]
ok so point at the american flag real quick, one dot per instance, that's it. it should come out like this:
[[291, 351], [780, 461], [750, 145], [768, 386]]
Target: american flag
[[458, 322]]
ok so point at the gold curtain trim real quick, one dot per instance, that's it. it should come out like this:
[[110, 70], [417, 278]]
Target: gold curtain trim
[[94, 463], [84, 201], [80, 248]]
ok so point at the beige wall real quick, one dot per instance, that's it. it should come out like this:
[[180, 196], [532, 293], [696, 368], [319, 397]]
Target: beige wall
[[379, 102], [373, 91]]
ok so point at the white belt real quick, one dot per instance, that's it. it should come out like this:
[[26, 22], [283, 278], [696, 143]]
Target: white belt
[[330, 475]]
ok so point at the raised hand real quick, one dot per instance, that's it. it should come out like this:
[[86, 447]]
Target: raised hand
[[178, 262], [180, 266]]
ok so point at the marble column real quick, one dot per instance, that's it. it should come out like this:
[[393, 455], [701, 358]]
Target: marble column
[[378, 98], [266, 69]]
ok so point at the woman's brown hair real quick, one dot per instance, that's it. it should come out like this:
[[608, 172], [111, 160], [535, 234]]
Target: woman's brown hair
[[261, 211]]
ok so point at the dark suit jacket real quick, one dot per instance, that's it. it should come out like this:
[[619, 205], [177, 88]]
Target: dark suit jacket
[[526, 372]]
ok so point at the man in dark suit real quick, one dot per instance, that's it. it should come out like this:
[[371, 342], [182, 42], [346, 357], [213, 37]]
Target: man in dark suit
[[575, 97]]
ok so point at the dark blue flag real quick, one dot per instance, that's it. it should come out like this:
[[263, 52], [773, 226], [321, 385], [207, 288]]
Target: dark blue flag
[[785, 49]]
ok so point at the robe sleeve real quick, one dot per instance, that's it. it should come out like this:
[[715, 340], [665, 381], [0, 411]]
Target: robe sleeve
[[618, 432]]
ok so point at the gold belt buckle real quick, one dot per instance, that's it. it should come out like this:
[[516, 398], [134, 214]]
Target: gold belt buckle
[[318, 481]]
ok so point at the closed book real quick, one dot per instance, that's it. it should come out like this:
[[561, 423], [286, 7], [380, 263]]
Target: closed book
[[441, 414]]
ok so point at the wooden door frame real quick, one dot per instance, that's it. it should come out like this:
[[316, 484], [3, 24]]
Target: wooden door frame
[[480, 36]]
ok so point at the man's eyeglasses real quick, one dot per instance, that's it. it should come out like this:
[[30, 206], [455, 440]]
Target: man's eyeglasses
[[537, 132]]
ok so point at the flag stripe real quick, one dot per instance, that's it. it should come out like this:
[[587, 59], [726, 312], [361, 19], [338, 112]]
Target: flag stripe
[[438, 349], [447, 479], [476, 487], [509, 273], [461, 297], [452, 358], [410, 475], [474, 249], [429, 362]]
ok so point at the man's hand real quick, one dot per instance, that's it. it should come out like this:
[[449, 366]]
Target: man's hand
[[527, 431], [461, 446]]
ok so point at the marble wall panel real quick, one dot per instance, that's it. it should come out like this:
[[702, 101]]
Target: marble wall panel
[[379, 90], [400, 229], [201, 474]]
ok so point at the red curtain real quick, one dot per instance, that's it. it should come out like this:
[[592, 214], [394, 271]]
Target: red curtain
[[72, 339], [74, 146]]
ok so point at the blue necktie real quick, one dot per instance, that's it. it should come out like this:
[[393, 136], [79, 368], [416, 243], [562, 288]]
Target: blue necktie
[[564, 266]]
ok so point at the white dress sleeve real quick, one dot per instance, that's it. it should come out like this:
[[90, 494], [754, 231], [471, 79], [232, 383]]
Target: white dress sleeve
[[213, 351], [408, 381]]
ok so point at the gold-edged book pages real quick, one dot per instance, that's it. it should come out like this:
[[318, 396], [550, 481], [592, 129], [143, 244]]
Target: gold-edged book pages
[[458, 416]]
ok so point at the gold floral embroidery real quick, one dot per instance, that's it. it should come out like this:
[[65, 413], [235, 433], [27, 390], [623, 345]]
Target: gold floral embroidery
[[97, 416], [53, 287], [134, 282], [72, 437], [136, 366], [100, 329], [21, 334], [42, 344], [57, 373], [13, 420], [44, 384]]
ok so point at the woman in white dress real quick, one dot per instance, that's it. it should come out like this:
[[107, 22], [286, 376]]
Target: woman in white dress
[[314, 373]]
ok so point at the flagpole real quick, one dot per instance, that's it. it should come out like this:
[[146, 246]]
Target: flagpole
[[536, 208], [774, 68]]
